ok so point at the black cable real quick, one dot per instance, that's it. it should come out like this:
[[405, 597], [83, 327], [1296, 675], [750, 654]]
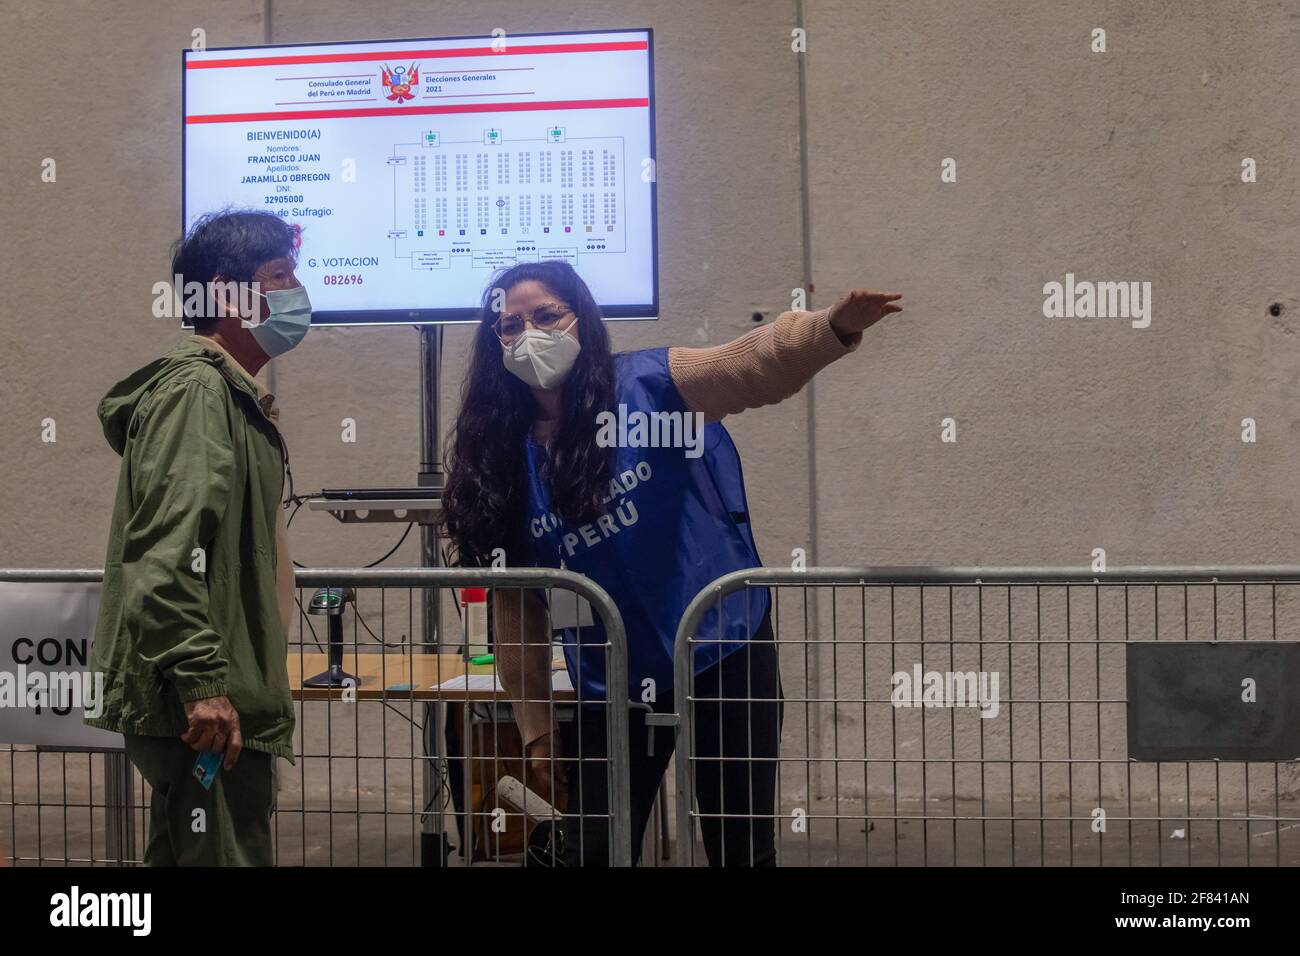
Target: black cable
[[362, 621], [307, 617], [394, 549], [444, 772], [299, 500], [287, 470], [446, 563]]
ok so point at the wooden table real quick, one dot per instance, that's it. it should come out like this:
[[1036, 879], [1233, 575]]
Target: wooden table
[[382, 674], [417, 675]]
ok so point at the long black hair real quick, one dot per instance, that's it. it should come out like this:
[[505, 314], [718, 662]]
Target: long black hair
[[487, 482]]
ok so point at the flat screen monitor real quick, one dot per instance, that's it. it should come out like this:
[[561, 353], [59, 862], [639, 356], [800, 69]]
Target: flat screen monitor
[[418, 168]]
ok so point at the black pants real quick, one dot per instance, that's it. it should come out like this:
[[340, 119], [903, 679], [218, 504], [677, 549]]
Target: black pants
[[236, 810], [744, 723]]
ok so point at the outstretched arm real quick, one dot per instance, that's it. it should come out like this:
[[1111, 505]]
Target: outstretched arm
[[523, 665], [771, 363]]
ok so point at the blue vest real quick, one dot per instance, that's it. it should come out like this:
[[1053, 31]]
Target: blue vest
[[672, 525]]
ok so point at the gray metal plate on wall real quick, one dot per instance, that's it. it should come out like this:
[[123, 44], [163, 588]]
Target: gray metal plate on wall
[[1185, 700]]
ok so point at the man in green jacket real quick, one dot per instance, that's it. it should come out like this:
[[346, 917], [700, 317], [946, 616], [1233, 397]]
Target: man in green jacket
[[191, 636]]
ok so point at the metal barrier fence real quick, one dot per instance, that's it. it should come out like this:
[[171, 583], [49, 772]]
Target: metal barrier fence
[[848, 762], [394, 729], [981, 716]]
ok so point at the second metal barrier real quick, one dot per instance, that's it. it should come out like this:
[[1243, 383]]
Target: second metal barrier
[[986, 716]]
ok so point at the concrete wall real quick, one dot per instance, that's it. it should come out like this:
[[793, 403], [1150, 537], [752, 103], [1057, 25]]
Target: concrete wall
[[1071, 434], [81, 255]]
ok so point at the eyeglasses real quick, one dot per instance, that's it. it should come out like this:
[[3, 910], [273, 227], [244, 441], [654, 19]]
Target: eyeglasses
[[545, 317]]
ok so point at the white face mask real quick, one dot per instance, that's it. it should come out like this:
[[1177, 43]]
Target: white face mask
[[542, 359], [288, 321]]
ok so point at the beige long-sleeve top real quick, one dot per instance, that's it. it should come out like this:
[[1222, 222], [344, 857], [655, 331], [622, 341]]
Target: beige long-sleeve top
[[284, 578], [762, 367]]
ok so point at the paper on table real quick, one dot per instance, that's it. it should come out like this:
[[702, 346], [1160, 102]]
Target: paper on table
[[559, 681]]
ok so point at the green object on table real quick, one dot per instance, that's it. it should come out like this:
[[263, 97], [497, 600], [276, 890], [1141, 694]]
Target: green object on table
[[481, 659]]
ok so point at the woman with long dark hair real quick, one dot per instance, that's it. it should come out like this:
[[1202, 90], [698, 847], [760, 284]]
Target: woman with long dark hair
[[539, 473]]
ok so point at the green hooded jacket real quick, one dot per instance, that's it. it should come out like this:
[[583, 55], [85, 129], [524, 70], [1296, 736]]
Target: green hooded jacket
[[202, 468]]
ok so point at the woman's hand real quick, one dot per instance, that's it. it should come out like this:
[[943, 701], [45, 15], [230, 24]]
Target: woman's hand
[[860, 309]]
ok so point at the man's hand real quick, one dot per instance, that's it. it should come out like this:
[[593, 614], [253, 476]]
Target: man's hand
[[543, 768], [214, 726], [860, 309]]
